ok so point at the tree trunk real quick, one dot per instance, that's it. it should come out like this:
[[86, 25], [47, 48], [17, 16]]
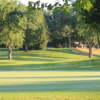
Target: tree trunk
[[98, 43], [90, 52], [98, 46], [69, 44], [26, 48], [9, 50], [91, 45]]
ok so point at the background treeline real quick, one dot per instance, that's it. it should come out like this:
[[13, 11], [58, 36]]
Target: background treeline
[[42, 28]]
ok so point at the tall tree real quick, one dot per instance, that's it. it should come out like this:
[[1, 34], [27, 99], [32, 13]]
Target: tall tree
[[43, 32], [90, 35], [74, 23], [30, 34], [37, 32], [56, 23], [92, 24], [12, 24], [67, 32]]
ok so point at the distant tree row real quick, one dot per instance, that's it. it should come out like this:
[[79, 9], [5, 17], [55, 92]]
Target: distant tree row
[[61, 26], [80, 25]]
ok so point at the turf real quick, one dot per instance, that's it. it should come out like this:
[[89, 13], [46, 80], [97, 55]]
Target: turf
[[52, 95], [56, 74], [55, 59]]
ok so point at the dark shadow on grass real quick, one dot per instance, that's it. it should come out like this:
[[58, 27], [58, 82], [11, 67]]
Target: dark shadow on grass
[[51, 86], [95, 76], [90, 65], [6, 49]]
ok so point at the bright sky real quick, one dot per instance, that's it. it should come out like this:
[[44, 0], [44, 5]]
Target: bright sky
[[45, 1]]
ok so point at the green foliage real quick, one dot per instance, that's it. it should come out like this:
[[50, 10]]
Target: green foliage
[[56, 22], [88, 32], [60, 20], [12, 23], [67, 30], [30, 35], [75, 25], [85, 4], [92, 17], [43, 38], [37, 33]]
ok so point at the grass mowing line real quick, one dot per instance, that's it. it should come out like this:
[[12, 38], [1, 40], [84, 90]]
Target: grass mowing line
[[25, 66], [32, 65], [49, 80], [53, 65], [72, 63], [79, 63], [86, 62], [47, 65], [93, 62]]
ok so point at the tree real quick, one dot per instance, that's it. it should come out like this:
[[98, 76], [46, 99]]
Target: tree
[[74, 22], [43, 32], [12, 24], [85, 4], [67, 32], [56, 22], [43, 37], [92, 16], [91, 24], [90, 35], [30, 34], [37, 32]]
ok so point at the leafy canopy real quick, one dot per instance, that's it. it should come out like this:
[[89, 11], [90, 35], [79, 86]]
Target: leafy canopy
[[12, 22], [85, 4]]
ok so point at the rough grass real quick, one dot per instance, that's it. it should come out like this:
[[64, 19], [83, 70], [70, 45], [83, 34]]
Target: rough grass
[[57, 74], [85, 51]]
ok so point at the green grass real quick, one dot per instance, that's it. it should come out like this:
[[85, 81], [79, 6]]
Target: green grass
[[52, 95], [56, 74], [55, 59]]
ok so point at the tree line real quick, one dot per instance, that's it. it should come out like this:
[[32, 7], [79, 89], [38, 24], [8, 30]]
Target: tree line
[[33, 27], [82, 25]]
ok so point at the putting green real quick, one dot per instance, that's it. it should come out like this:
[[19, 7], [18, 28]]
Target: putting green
[[49, 80]]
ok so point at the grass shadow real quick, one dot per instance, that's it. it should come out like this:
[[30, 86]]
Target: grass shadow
[[52, 86]]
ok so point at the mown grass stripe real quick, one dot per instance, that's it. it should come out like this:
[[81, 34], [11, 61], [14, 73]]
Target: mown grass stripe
[[72, 63], [86, 62], [53, 65], [93, 62]]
